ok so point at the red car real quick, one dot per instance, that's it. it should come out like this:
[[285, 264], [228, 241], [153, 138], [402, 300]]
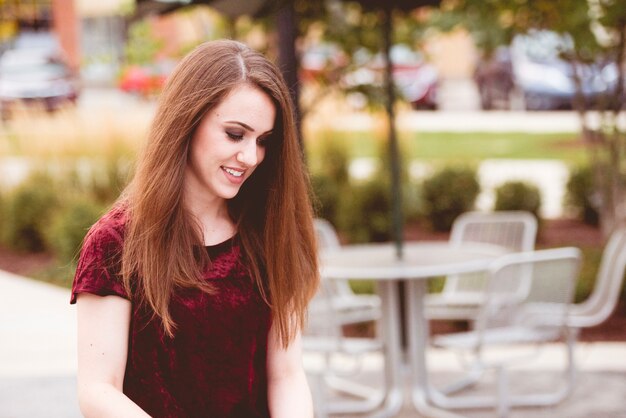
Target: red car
[[142, 81]]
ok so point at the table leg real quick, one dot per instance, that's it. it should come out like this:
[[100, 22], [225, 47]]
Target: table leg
[[390, 322], [418, 335]]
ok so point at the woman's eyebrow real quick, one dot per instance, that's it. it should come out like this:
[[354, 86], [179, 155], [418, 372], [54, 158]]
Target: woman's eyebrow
[[243, 125], [247, 127]]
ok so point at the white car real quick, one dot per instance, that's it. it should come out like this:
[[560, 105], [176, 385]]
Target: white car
[[532, 73], [35, 75]]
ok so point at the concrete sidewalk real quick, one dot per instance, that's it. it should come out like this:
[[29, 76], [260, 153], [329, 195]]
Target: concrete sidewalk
[[37, 350], [600, 391], [38, 362]]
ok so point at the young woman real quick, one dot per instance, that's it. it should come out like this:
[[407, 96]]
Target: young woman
[[192, 290]]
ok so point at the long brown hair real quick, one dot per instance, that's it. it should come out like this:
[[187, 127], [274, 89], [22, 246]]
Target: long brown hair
[[272, 211]]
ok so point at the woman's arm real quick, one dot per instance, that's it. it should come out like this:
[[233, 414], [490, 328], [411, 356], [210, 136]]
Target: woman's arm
[[289, 394], [103, 324]]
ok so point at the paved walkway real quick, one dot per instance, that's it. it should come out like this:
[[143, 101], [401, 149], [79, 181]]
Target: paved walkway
[[599, 393], [38, 362], [37, 350]]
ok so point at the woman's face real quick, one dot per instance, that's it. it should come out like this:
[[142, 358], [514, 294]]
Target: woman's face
[[229, 144]]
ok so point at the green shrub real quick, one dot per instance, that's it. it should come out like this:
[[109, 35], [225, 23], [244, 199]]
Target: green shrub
[[335, 161], [518, 195], [578, 195], [363, 286], [448, 193], [68, 226], [411, 199], [330, 178], [326, 196], [404, 153], [57, 274], [108, 182], [27, 212], [365, 212], [588, 273]]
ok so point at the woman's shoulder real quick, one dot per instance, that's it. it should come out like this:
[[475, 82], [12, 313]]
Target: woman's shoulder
[[107, 234], [98, 269], [109, 229]]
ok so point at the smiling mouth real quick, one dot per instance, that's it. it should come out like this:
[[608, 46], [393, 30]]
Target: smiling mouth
[[233, 172]]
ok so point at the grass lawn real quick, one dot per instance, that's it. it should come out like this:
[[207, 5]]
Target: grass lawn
[[483, 145], [455, 146]]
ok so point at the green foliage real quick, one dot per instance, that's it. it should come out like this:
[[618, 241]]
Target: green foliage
[[52, 213], [588, 273], [410, 192], [596, 30], [458, 147], [355, 34], [411, 200], [108, 182], [480, 18], [518, 195], [68, 226], [365, 214], [579, 192], [27, 212], [142, 46], [335, 160], [404, 156], [326, 197], [495, 22], [447, 193], [102, 180], [362, 286], [330, 177], [57, 274]]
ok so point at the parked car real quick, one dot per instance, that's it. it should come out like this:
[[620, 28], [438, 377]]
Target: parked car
[[531, 74], [145, 81], [35, 75], [415, 78]]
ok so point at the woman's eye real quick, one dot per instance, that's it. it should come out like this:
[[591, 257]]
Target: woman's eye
[[262, 141], [234, 136]]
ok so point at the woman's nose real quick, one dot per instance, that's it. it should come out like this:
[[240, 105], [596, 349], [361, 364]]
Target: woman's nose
[[248, 155]]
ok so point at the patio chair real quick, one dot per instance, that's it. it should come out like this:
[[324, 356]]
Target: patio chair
[[604, 297], [527, 302], [349, 307], [342, 359], [334, 306], [462, 294]]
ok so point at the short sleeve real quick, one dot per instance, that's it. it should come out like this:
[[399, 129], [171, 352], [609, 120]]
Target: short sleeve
[[99, 264]]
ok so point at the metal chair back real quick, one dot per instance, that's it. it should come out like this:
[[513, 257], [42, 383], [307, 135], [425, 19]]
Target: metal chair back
[[606, 291], [463, 293]]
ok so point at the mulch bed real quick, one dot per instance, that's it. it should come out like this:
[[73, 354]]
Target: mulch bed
[[24, 264]]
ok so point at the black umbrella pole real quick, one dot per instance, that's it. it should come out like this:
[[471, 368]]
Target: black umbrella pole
[[396, 202]]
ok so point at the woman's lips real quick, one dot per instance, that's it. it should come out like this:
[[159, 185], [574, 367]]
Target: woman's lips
[[234, 175]]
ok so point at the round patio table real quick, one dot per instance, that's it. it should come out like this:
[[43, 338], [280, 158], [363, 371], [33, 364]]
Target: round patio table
[[420, 261]]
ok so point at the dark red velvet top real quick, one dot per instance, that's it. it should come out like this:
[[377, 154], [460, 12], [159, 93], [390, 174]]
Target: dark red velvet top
[[215, 366]]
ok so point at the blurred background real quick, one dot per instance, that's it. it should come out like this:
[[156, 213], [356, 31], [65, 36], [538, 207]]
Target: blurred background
[[495, 105]]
